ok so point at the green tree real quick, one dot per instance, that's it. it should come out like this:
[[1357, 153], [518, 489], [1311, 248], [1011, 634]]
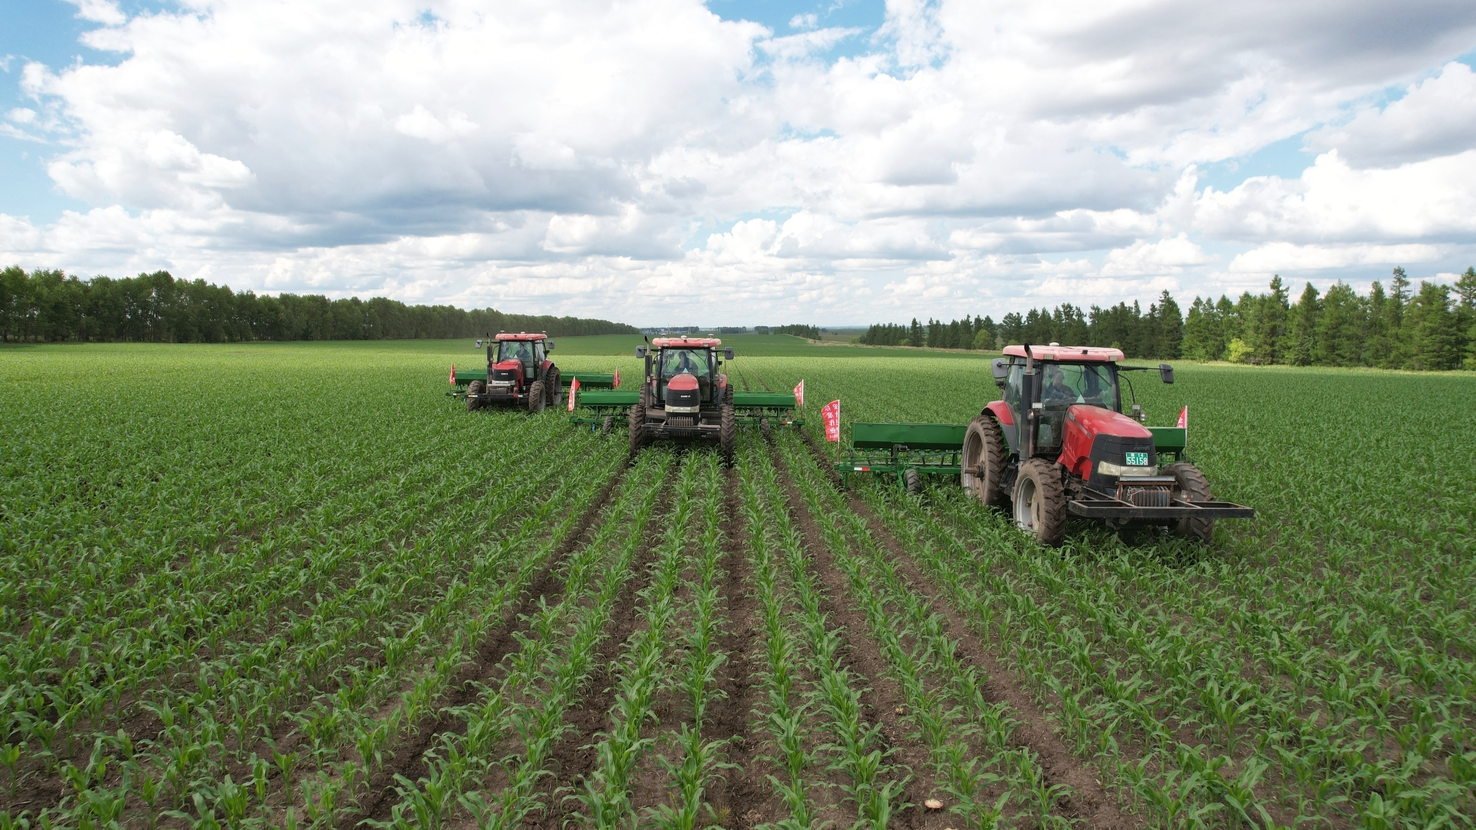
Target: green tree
[[1204, 338], [1301, 332], [1170, 321], [915, 336], [1466, 315], [1340, 328], [1397, 354], [1434, 342], [1269, 331]]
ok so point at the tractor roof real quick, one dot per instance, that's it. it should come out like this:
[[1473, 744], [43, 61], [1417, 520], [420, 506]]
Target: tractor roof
[[686, 342], [1068, 354], [522, 335]]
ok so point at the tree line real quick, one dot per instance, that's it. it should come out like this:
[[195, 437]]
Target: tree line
[[1158, 332], [1431, 327], [47, 305]]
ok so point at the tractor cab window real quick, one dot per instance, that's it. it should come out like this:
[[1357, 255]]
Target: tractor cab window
[[519, 350], [538, 353], [694, 362], [1012, 393], [1063, 385]]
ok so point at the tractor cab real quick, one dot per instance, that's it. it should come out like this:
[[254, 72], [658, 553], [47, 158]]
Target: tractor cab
[[683, 374]]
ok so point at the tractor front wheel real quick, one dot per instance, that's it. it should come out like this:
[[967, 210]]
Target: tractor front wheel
[[476, 388], [1040, 501], [728, 435], [555, 390], [1195, 488], [536, 398], [728, 394], [637, 429], [984, 460]]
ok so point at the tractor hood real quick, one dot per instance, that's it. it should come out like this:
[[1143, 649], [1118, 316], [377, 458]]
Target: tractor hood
[[506, 371], [683, 394], [1095, 420]]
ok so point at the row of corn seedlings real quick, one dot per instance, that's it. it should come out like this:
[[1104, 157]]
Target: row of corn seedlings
[[543, 680]]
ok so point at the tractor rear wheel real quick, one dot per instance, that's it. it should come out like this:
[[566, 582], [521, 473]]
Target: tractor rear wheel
[[637, 429], [472, 391], [555, 390], [536, 398], [984, 460], [607, 425], [728, 435], [1040, 501], [1194, 487], [913, 480]]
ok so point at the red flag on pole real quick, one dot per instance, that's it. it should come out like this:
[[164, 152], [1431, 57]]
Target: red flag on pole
[[799, 394], [1184, 418], [616, 384], [573, 392], [831, 415], [453, 374]]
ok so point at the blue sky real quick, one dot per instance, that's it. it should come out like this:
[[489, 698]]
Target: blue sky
[[946, 156]]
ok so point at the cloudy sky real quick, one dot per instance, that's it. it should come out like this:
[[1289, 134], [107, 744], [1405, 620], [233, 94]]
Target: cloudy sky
[[741, 161]]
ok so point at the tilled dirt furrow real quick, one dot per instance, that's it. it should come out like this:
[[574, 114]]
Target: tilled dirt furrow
[[1089, 802], [730, 718]]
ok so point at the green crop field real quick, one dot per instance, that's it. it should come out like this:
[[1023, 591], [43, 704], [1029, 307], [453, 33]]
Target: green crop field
[[297, 586]]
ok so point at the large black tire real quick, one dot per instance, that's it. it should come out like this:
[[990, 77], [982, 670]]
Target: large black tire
[[1193, 486], [537, 398], [472, 391], [728, 395], [913, 480], [637, 429], [1040, 501], [983, 460], [728, 435], [555, 389]]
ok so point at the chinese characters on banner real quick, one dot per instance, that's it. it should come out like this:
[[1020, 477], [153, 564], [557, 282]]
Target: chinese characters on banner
[[831, 414], [799, 394], [573, 392]]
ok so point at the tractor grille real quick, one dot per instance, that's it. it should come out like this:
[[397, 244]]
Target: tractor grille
[[1146, 494], [678, 421]]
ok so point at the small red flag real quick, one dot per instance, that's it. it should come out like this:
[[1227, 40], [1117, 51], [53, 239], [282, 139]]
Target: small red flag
[[453, 374], [616, 384], [1184, 418], [799, 394], [573, 391], [831, 415]]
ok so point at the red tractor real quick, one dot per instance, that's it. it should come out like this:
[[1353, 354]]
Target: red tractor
[[519, 373], [684, 396], [1059, 444]]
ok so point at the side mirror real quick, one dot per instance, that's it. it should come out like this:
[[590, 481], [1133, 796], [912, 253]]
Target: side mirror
[[728, 353], [1166, 372], [548, 345], [640, 351], [1001, 371]]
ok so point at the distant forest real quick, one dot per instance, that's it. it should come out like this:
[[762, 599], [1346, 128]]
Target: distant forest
[[50, 306], [1398, 328]]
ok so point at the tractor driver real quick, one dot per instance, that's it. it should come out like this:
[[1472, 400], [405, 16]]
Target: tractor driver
[[681, 362], [1056, 391]]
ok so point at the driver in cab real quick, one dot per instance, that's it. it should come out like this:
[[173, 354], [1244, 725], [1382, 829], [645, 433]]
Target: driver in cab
[[681, 362]]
